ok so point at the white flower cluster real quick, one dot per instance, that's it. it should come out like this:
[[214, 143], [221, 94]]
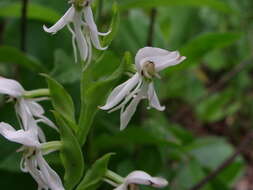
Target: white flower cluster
[[84, 30], [30, 135], [149, 61]]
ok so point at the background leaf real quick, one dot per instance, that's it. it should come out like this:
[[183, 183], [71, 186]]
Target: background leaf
[[35, 11], [94, 176]]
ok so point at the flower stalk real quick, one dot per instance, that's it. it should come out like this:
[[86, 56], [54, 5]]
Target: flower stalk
[[37, 93], [114, 177], [51, 146]]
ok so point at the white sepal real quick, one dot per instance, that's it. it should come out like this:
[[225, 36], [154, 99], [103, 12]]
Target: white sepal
[[64, 20], [26, 138], [11, 87]]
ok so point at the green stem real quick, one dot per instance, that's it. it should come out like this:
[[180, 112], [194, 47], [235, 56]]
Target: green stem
[[37, 93], [85, 123], [86, 116], [51, 146], [114, 177]]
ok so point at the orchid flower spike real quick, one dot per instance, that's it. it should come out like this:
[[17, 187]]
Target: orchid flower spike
[[32, 160], [148, 61], [27, 108], [141, 178], [84, 30]]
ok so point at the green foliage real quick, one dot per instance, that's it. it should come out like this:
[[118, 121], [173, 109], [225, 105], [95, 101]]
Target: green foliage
[[95, 174], [181, 143], [62, 101], [199, 46], [94, 91], [35, 11], [65, 70], [113, 26], [215, 4], [10, 55], [70, 153]]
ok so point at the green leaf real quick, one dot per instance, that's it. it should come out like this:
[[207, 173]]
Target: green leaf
[[131, 136], [201, 45], [71, 154], [189, 174], [95, 174], [62, 101], [213, 149], [35, 11], [12, 55], [214, 4], [217, 106], [93, 93], [114, 25], [65, 70]]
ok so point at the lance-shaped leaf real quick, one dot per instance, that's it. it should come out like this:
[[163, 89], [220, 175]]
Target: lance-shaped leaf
[[34, 11], [198, 47], [93, 93], [71, 154], [95, 174], [11, 55], [62, 101]]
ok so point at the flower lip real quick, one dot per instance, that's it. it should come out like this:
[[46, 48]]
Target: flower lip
[[142, 178], [11, 87]]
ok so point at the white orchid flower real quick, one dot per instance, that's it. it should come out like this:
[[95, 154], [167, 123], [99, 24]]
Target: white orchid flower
[[148, 61], [32, 160], [141, 178], [84, 31], [26, 108]]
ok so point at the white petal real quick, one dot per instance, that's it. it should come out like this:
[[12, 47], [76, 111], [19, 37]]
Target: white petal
[[38, 111], [142, 178], [65, 19], [49, 175], [88, 15], [27, 138], [104, 33], [128, 113], [35, 108], [31, 166], [73, 42], [153, 99], [138, 177], [80, 39], [169, 62], [119, 93], [89, 18], [159, 182], [24, 113], [149, 52], [160, 62], [11, 87], [41, 135], [95, 41]]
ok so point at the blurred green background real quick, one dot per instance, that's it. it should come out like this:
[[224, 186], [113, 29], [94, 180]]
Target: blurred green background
[[208, 98]]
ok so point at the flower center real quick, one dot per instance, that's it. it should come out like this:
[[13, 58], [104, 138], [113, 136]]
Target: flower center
[[148, 70], [132, 187], [79, 4]]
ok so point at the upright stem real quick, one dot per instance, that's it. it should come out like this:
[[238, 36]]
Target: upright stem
[[23, 26], [225, 164], [23, 31], [151, 27]]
